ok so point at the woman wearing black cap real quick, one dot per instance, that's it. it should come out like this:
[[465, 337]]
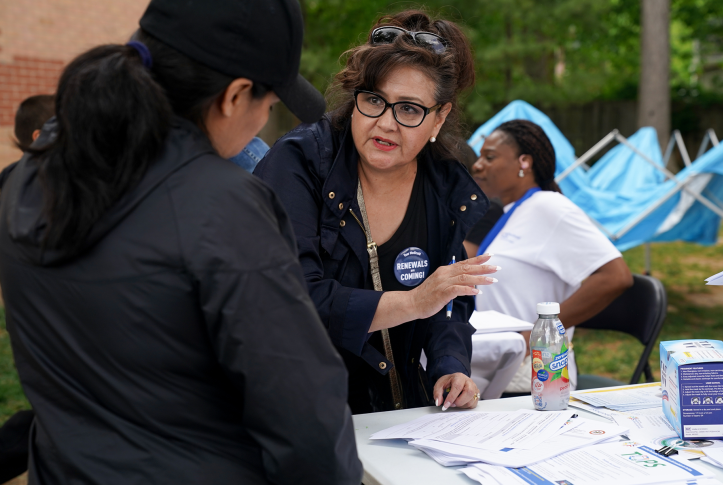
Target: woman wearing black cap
[[380, 206], [158, 314]]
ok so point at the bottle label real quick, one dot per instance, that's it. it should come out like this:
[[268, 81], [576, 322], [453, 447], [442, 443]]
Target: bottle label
[[550, 378], [560, 328], [537, 386], [559, 362]]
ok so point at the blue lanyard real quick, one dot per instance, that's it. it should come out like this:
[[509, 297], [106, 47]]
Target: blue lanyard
[[502, 221]]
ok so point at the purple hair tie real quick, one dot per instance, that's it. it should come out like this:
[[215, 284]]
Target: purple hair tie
[[143, 51]]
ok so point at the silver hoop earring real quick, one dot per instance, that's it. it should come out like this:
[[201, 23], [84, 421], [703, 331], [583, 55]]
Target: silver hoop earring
[[432, 140], [521, 174]]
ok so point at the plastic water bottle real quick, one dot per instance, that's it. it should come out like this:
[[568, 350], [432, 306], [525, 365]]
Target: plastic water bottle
[[550, 381]]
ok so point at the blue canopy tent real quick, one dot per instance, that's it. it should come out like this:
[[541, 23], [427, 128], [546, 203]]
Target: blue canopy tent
[[629, 193]]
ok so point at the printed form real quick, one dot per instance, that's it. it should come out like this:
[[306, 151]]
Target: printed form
[[579, 433], [622, 463], [623, 399]]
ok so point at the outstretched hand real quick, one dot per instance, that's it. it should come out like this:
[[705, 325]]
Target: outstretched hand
[[449, 282]]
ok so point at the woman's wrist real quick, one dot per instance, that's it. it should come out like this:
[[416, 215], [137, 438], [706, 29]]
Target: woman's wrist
[[412, 304], [395, 308]]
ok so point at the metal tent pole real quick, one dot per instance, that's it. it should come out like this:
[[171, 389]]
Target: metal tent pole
[[648, 211], [669, 150], [587, 155], [713, 137], [670, 175], [681, 148], [703, 144]]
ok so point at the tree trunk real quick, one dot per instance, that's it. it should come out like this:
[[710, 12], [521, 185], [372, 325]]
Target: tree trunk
[[654, 89]]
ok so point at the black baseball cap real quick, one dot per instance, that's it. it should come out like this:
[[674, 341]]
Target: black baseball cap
[[255, 39]]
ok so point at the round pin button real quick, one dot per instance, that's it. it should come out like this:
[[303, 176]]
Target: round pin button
[[411, 266]]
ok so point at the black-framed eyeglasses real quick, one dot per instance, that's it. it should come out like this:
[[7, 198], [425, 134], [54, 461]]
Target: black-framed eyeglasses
[[386, 35], [406, 113]]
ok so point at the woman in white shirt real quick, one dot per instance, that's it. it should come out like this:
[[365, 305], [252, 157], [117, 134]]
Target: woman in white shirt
[[548, 248]]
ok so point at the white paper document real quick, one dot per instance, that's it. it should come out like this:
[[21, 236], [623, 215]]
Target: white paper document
[[714, 456], [520, 429], [647, 429], [579, 433], [426, 425], [624, 399], [623, 463], [715, 280], [610, 414], [491, 321]]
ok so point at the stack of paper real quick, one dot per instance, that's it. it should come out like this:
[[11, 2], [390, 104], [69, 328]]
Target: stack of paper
[[622, 463], [491, 321], [714, 456], [623, 399], [715, 280], [576, 434], [650, 426], [512, 439]]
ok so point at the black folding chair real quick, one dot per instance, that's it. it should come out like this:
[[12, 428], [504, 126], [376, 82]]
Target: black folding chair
[[639, 312]]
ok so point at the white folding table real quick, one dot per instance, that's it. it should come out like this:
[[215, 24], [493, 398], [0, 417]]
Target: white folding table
[[394, 462]]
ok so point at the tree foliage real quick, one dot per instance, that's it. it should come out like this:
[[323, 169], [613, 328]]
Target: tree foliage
[[548, 52]]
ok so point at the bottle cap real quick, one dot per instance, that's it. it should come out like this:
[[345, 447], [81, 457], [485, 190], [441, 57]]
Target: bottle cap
[[548, 308]]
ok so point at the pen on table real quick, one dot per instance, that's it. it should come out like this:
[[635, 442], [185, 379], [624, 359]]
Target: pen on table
[[449, 305]]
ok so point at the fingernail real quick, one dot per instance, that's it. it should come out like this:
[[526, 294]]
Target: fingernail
[[498, 267], [436, 402], [454, 405], [491, 280], [446, 406], [489, 255]]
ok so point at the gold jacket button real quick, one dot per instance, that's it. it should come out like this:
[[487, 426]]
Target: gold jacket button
[[463, 208], [473, 197], [332, 195], [341, 206], [382, 365], [342, 223]]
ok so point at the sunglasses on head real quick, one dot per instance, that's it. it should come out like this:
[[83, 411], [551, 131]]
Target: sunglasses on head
[[386, 35]]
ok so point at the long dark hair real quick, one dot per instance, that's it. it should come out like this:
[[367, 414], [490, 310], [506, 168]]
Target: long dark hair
[[529, 139], [113, 116], [451, 71]]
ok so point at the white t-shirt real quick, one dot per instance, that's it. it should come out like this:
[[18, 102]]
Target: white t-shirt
[[546, 249]]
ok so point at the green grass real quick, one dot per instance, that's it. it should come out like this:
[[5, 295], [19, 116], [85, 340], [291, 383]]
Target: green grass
[[12, 398], [694, 311]]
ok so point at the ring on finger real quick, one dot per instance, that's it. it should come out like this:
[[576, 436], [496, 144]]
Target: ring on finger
[[476, 396]]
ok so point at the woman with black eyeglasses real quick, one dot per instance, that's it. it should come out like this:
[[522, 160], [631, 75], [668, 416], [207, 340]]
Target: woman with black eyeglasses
[[380, 207]]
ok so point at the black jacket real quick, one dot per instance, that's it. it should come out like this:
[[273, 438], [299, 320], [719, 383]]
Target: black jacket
[[314, 171], [181, 346]]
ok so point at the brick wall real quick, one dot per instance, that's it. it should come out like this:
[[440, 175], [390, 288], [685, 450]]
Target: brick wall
[[23, 77], [39, 37]]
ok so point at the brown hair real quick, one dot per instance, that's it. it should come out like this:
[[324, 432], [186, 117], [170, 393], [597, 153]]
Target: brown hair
[[367, 65], [529, 139]]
